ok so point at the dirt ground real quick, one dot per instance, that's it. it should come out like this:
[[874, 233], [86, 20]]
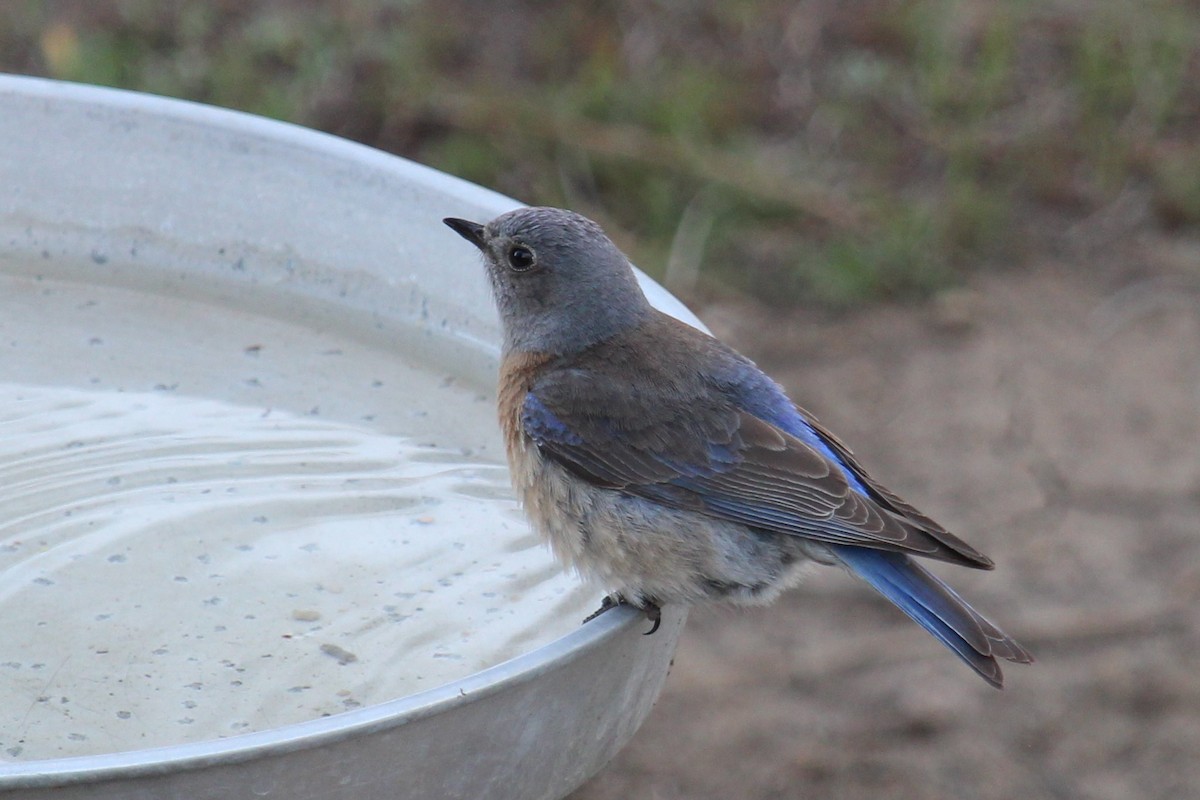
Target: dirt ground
[[1050, 416]]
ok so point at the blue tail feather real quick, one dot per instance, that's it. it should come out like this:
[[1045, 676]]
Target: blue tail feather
[[935, 607]]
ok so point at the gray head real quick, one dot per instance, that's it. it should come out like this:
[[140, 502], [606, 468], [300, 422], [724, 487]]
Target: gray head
[[561, 285]]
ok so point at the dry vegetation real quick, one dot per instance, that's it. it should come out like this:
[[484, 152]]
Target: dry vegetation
[[813, 151]]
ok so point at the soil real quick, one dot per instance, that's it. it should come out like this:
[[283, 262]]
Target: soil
[[1051, 417]]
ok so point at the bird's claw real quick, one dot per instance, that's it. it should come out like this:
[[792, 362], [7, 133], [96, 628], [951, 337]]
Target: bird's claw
[[654, 614], [651, 609], [609, 602]]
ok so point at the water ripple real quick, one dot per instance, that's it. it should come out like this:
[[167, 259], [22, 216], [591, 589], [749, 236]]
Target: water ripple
[[175, 568]]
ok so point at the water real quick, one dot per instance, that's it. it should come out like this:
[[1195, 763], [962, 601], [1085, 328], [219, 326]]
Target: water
[[217, 522]]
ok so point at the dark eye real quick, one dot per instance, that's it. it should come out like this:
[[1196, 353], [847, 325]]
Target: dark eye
[[520, 257]]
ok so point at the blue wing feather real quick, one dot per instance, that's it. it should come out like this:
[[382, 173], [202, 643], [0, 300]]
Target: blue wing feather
[[541, 424], [757, 394]]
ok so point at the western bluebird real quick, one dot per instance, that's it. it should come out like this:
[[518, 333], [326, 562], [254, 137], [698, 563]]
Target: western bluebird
[[669, 468]]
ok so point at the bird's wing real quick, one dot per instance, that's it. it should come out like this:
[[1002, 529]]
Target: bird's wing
[[880, 493], [690, 446]]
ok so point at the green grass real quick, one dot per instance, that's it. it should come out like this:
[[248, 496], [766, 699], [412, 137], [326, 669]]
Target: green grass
[[843, 152]]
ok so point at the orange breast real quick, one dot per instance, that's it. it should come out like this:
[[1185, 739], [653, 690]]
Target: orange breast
[[518, 372]]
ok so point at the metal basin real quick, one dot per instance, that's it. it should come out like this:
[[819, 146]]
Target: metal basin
[[163, 193]]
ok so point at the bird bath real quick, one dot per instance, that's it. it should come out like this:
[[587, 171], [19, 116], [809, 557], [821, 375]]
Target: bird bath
[[257, 538]]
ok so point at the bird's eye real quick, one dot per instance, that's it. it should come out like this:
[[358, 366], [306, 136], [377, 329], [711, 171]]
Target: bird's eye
[[520, 257]]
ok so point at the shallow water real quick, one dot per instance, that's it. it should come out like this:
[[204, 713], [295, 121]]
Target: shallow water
[[216, 522]]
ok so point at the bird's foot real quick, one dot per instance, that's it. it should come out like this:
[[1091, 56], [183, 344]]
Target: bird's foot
[[651, 609]]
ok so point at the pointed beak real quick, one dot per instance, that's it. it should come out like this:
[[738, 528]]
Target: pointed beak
[[471, 231]]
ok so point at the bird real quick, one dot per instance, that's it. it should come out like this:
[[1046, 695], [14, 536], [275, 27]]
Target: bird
[[667, 467]]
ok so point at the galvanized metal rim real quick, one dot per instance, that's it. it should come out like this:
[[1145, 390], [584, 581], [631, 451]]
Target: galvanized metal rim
[[325, 730]]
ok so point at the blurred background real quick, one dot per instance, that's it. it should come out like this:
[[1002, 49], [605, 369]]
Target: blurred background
[[965, 233]]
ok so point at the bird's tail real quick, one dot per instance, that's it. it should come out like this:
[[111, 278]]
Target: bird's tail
[[937, 608]]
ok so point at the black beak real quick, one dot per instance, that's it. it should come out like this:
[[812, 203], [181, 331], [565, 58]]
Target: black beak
[[471, 231]]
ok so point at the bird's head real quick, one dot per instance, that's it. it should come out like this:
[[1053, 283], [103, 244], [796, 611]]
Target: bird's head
[[560, 283]]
